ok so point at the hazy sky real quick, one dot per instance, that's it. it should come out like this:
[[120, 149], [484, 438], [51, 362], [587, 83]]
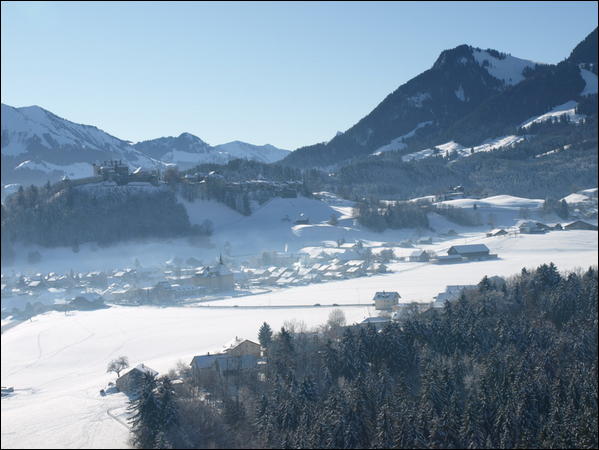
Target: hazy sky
[[288, 74]]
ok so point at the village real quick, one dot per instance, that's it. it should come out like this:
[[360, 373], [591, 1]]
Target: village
[[189, 281]]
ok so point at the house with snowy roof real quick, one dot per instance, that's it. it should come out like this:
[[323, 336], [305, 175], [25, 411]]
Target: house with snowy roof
[[580, 225], [236, 355], [471, 251], [419, 256], [241, 347], [384, 301], [451, 293], [531, 227], [132, 382], [497, 232], [377, 322]]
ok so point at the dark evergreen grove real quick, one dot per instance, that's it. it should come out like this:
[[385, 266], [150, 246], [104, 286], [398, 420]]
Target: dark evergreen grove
[[64, 215], [379, 216], [505, 366]]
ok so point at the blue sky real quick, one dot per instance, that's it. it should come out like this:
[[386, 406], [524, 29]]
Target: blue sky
[[288, 74]]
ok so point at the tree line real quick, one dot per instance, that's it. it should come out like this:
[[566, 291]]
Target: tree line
[[508, 365]]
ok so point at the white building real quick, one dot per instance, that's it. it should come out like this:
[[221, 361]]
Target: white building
[[384, 301]]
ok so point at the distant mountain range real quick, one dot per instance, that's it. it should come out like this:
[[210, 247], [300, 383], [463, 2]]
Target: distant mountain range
[[469, 95], [470, 100], [38, 146], [188, 150]]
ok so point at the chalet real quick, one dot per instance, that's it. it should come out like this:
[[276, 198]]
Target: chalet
[[378, 322], [450, 294], [530, 227], [241, 347], [580, 225], [222, 363], [131, 382], [419, 256], [237, 355], [87, 302], [384, 301], [470, 251], [497, 232]]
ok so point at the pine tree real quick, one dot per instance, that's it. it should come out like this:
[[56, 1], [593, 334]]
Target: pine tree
[[383, 435], [145, 418], [265, 335], [169, 414]]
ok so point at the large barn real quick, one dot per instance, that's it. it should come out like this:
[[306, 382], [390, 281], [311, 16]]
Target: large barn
[[580, 225], [470, 251]]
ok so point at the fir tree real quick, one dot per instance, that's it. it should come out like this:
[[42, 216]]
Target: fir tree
[[265, 335]]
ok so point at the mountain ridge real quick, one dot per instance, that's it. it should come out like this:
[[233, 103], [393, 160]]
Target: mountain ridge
[[40, 146], [468, 95]]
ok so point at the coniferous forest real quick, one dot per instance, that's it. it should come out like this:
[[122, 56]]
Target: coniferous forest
[[508, 365]]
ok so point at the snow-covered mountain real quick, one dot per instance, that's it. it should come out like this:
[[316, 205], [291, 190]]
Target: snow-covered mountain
[[469, 95], [39, 146], [187, 150], [264, 153]]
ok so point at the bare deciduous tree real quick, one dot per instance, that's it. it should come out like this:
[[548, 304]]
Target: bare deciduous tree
[[117, 365]]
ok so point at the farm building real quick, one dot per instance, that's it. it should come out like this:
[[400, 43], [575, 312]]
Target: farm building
[[419, 256], [448, 259], [131, 382], [497, 232], [530, 227], [580, 225], [470, 251]]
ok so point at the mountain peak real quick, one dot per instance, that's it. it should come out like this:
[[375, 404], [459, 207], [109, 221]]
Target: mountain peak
[[462, 54], [586, 51], [189, 137]]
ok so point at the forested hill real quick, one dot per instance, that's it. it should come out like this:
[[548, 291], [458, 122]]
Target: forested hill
[[506, 366], [65, 215], [469, 95]]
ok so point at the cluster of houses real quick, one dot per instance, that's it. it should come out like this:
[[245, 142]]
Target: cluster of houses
[[238, 356], [318, 272], [390, 308], [533, 227], [139, 285], [175, 283]]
